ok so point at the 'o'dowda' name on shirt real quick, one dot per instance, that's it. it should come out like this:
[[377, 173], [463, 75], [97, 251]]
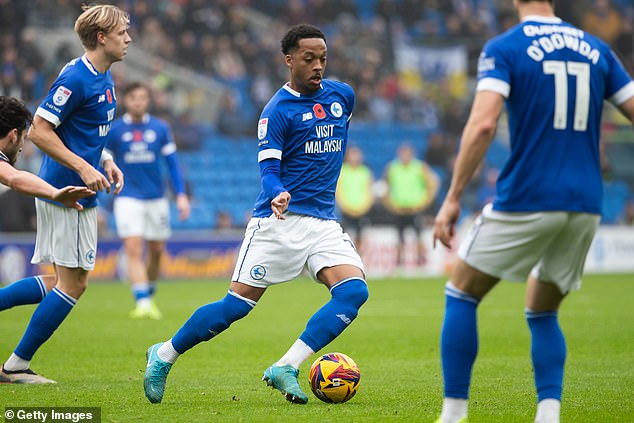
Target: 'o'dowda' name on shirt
[[324, 146], [555, 37]]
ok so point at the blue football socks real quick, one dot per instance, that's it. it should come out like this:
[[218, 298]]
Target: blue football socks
[[548, 352], [29, 290], [458, 341], [45, 320], [140, 291], [329, 321], [211, 319]]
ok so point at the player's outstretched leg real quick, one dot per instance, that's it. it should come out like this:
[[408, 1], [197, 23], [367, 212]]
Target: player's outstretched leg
[[29, 290], [206, 322], [326, 324], [47, 317], [459, 348]]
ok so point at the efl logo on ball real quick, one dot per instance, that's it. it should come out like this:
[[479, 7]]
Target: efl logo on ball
[[334, 378]]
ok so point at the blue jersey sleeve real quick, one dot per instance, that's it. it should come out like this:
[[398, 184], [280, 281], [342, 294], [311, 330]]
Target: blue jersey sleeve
[[271, 134], [494, 70], [65, 96], [619, 86]]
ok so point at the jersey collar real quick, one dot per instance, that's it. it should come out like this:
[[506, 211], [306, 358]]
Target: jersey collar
[[542, 19], [89, 65], [127, 119], [297, 94]]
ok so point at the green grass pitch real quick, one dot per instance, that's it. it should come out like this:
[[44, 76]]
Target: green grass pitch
[[98, 355]]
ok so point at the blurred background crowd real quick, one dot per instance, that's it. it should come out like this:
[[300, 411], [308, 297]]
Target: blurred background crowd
[[213, 64]]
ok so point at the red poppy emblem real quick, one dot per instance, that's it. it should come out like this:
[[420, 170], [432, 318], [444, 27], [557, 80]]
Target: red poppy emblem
[[318, 109], [109, 96]]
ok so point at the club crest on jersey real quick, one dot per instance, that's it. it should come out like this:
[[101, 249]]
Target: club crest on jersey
[[61, 96], [319, 111], [336, 109], [258, 272], [263, 125]]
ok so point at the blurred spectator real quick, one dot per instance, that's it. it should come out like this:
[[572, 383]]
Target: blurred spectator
[[188, 134], [232, 121], [354, 195], [412, 187], [603, 20]]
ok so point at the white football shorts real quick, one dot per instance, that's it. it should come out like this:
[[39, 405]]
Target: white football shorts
[[552, 246], [65, 237], [276, 251], [149, 219]]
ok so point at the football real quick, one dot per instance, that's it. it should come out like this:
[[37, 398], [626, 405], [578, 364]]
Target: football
[[334, 378]]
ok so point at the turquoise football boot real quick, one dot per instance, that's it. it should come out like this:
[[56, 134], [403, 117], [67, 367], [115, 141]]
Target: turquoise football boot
[[284, 379], [155, 374]]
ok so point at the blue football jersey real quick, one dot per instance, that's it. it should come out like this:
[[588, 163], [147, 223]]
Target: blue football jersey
[[138, 148], [308, 133], [554, 77], [81, 104], [4, 158]]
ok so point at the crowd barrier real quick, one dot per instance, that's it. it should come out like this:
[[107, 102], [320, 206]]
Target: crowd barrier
[[214, 257]]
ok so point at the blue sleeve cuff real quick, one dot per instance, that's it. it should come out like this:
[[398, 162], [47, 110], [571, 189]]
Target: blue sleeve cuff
[[270, 174]]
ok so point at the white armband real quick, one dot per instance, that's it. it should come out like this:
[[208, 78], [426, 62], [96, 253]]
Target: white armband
[[105, 155]]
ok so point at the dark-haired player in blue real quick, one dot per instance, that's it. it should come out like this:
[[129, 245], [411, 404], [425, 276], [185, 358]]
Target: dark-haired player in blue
[[14, 121], [302, 135], [554, 78], [70, 127], [139, 143]]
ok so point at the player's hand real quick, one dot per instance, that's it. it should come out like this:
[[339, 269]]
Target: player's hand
[[445, 223], [280, 203], [183, 206], [114, 175], [69, 195], [94, 179]]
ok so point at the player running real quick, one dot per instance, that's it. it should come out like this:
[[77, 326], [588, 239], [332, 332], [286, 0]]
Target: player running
[[302, 136]]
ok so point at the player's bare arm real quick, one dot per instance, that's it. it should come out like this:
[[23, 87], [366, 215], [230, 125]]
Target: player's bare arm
[[280, 203], [476, 138], [28, 183], [44, 137], [627, 108]]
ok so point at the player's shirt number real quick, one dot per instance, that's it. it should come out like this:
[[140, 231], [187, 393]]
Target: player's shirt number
[[561, 70]]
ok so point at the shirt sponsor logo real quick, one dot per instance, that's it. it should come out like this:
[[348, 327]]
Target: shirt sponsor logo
[[336, 109], [61, 96], [486, 63], [263, 125], [318, 109]]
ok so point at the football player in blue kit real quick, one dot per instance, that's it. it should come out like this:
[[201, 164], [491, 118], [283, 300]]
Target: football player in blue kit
[[553, 78], [139, 142], [302, 135], [14, 121], [71, 127]]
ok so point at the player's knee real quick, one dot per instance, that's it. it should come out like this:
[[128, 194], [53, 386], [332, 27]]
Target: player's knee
[[354, 292]]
